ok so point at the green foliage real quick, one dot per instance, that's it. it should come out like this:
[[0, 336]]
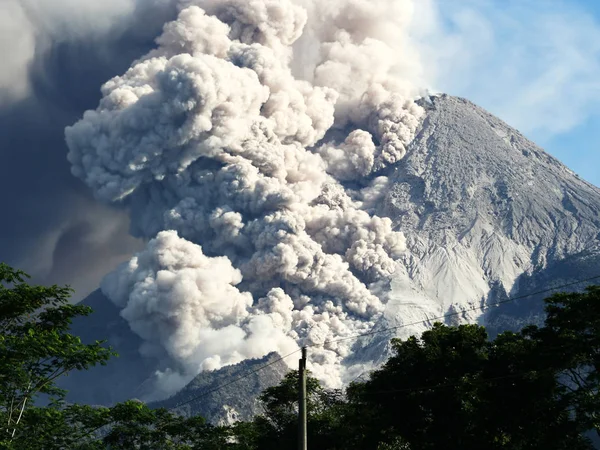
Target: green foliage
[[455, 389], [70, 427], [571, 345], [277, 427], [35, 346], [451, 388], [135, 426], [128, 425]]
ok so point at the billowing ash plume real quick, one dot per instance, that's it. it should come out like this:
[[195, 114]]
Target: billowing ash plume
[[253, 178], [186, 306]]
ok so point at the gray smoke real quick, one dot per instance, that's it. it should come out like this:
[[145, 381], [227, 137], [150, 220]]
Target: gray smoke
[[239, 135], [186, 306]]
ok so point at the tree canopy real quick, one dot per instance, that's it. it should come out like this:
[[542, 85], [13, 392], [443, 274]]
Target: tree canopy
[[35, 346], [450, 388]]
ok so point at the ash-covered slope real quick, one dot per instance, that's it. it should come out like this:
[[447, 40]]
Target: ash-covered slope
[[470, 178], [487, 214], [128, 375], [204, 395]]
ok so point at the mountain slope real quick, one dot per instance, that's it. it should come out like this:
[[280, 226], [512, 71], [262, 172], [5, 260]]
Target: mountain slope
[[475, 196], [205, 396], [487, 214], [124, 376]]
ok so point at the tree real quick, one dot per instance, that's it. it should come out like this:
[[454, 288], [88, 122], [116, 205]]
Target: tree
[[454, 389], [35, 346], [570, 342], [451, 388], [277, 427], [134, 425], [128, 425]]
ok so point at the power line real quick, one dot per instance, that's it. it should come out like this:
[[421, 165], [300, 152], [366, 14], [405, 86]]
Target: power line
[[218, 388], [454, 314], [432, 387]]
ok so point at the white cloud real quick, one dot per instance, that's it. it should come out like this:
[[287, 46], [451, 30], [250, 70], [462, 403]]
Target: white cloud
[[534, 63], [17, 46], [28, 27]]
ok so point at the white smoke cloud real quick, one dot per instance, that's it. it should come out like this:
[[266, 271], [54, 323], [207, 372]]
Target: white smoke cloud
[[212, 136], [362, 42], [187, 305]]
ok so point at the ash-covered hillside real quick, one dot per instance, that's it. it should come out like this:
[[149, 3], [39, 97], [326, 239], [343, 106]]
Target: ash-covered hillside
[[205, 395], [482, 205]]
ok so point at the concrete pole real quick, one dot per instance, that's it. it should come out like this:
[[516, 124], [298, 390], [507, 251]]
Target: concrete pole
[[302, 438]]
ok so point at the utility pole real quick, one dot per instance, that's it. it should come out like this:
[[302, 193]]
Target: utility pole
[[302, 441]]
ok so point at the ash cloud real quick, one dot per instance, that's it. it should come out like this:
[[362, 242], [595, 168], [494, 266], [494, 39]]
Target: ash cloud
[[236, 169], [187, 306]]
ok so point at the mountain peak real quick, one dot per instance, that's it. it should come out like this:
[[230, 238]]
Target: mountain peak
[[205, 395], [466, 168]]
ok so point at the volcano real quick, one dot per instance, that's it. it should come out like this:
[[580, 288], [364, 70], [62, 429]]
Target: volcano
[[487, 216]]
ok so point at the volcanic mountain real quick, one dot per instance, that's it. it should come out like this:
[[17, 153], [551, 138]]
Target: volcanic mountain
[[487, 215]]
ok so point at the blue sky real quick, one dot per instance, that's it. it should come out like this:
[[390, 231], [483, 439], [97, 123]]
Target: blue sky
[[534, 63], [579, 148]]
